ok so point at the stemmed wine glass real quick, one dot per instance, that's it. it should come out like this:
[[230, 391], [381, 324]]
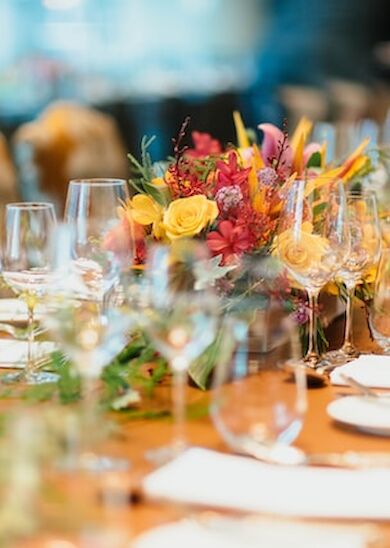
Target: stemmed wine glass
[[26, 269], [93, 207], [365, 247], [258, 404], [181, 319], [91, 334], [379, 317], [313, 241]]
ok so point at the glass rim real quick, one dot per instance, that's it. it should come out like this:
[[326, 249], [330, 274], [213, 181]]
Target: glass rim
[[30, 205], [98, 181]]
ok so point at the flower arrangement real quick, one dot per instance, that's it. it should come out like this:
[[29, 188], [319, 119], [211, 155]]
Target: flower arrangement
[[230, 197]]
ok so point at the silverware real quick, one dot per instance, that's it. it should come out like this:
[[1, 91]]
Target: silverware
[[363, 388]]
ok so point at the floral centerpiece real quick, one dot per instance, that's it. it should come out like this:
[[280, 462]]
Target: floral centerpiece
[[230, 197]]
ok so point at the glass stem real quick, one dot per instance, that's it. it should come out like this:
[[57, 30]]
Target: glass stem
[[179, 406], [29, 371], [89, 411], [312, 355], [348, 347]]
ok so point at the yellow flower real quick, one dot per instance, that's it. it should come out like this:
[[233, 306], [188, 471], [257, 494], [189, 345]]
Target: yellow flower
[[145, 210], [301, 251], [159, 182], [187, 217]]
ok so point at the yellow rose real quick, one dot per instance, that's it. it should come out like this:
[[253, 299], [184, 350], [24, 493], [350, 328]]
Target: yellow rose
[[187, 217], [301, 251], [144, 210]]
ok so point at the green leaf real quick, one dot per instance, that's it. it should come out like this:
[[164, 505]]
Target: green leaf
[[220, 351], [318, 209], [314, 160]]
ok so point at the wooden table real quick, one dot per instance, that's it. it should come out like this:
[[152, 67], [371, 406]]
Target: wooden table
[[319, 435]]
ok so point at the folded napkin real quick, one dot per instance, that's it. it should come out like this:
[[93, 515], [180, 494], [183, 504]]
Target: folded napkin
[[204, 477], [15, 310], [14, 353], [369, 369], [234, 533]]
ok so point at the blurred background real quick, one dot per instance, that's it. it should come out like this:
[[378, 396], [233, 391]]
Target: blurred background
[[132, 67]]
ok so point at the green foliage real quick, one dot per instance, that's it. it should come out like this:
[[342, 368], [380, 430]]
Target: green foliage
[[314, 160], [143, 173]]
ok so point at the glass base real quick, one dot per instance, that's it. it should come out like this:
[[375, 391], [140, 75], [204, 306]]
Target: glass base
[[335, 358], [38, 377], [164, 454], [94, 464]]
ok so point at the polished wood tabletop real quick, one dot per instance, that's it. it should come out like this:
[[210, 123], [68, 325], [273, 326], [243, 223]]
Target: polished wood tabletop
[[320, 434]]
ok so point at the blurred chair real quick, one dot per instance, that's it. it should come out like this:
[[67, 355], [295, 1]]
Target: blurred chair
[[67, 141], [8, 186]]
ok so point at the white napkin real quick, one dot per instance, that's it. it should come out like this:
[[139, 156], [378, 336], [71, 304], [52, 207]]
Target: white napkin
[[204, 477], [14, 353], [234, 533], [15, 310], [369, 369]]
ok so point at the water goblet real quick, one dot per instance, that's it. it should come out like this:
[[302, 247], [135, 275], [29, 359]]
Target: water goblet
[[94, 208], [181, 320], [365, 247], [258, 402], [379, 316], [312, 242], [26, 269], [91, 334]]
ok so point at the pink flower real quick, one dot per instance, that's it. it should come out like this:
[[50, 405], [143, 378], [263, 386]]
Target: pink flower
[[230, 239], [205, 145], [276, 150]]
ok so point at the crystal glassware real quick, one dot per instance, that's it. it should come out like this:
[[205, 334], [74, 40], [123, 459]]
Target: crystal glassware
[[365, 247], [379, 316], [258, 402], [90, 331], [93, 207], [26, 269], [313, 241], [181, 319]]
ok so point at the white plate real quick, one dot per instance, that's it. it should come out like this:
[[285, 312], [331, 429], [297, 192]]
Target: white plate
[[15, 310], [13, 354], [370, 415]]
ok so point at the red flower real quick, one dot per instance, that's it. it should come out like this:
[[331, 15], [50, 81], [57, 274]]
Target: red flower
[[230, 173], [205, 145], [230, 239]]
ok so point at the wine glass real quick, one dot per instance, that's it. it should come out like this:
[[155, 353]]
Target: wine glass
[[91, 334], [365, 247], [181, 319], [258, 404], [93, 207], [379, 317], [26, 269], [313, 241]]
